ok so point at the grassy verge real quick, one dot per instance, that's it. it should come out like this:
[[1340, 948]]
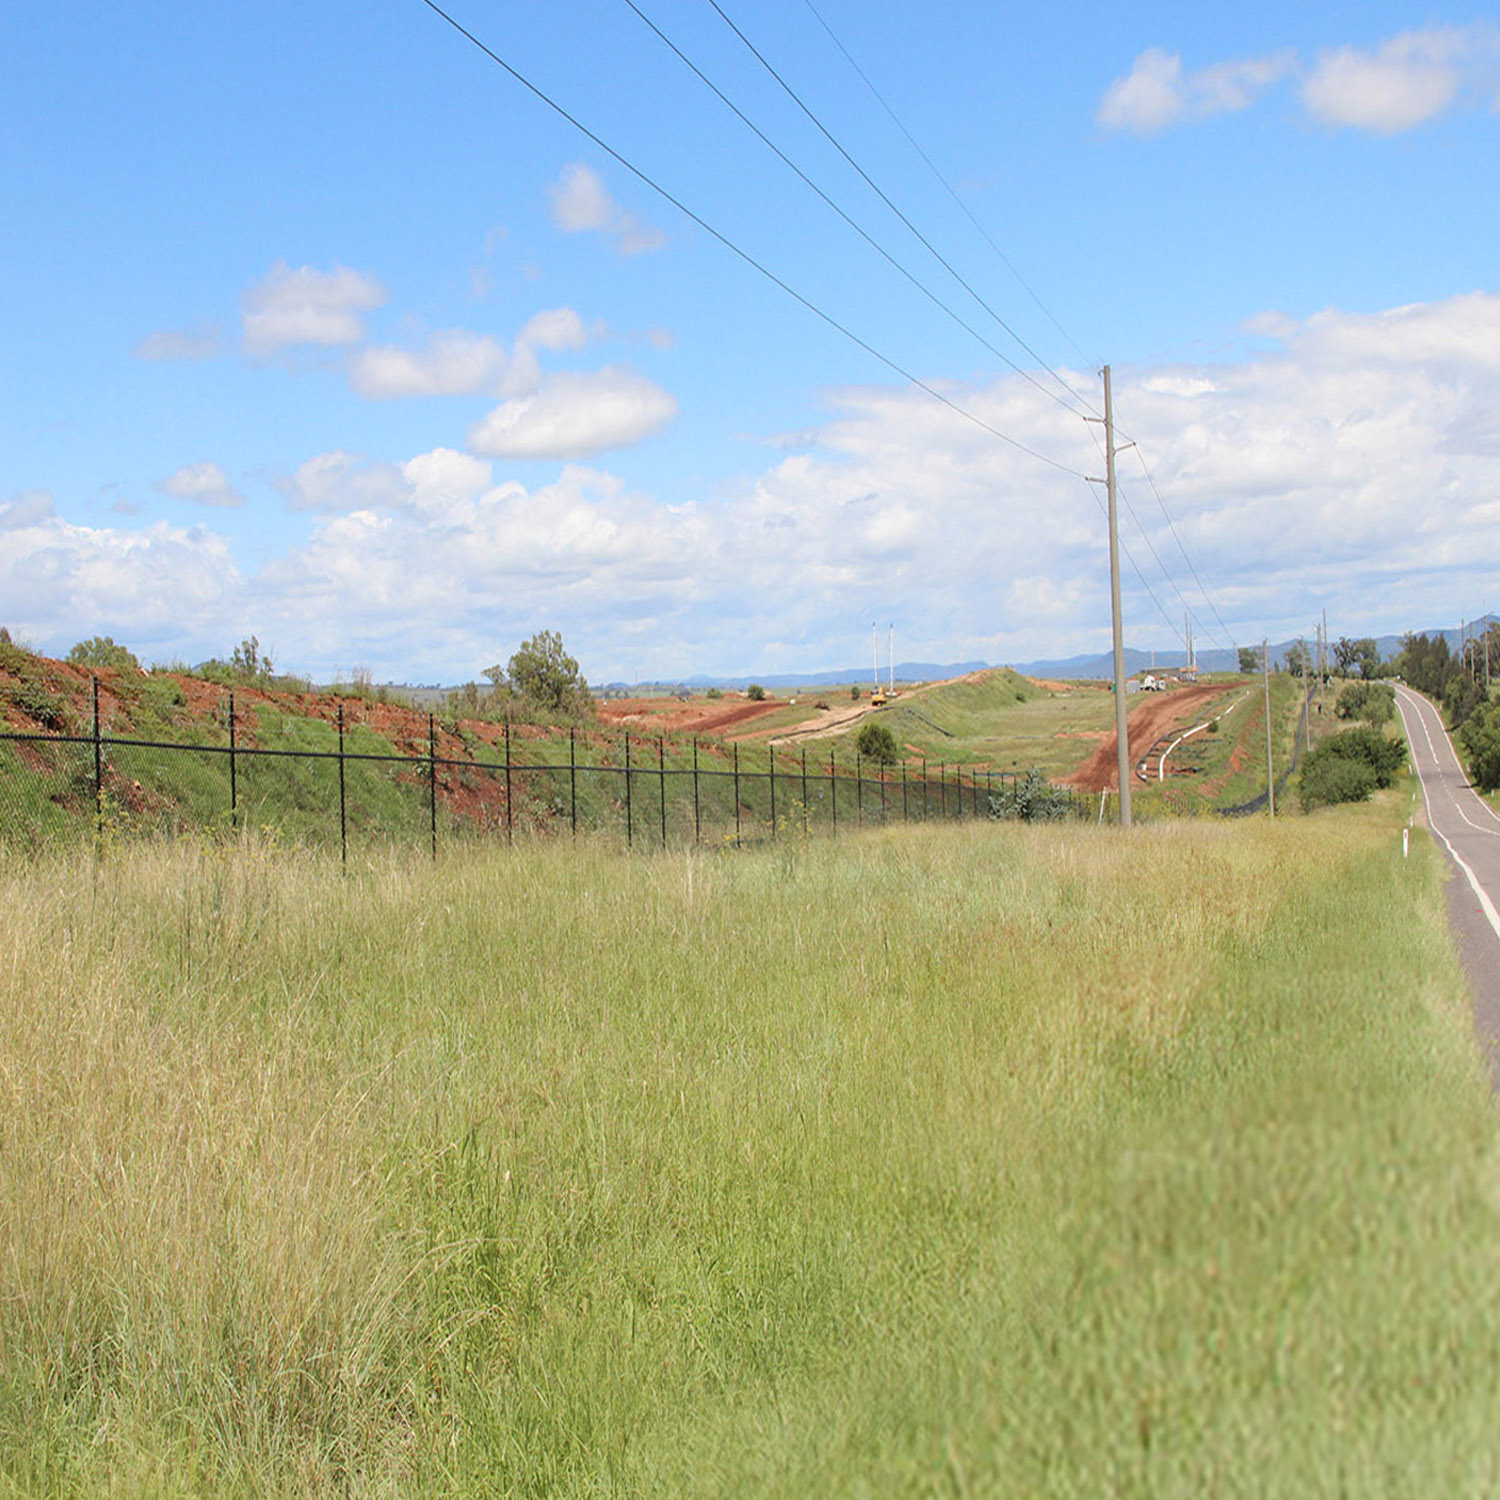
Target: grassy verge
[[959, 1161]]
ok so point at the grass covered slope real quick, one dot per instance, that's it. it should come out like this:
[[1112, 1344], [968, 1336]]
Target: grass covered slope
[[976, 1161]]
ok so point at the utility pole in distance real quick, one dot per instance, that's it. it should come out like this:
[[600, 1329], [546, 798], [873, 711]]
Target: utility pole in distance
[[1122, 737], [1265, 654]]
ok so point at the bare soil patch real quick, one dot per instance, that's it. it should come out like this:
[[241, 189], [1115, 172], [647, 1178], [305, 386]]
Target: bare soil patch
[[697, 716]]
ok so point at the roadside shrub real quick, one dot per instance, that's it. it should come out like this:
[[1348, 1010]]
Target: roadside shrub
[[1348, 767], [854, 692], [1374, 702], [1330, 779], [877, 743], [1032, 799], [1480, 737], [714, 692], [755, 693]]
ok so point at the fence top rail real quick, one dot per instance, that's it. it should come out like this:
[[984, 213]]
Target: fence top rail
[[396, 757]]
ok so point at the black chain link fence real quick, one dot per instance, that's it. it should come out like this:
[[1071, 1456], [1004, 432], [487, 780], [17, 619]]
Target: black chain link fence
[[317, 781]]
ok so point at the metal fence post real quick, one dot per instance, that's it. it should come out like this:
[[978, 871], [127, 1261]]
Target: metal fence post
[[661, 771], [943, 788], [805, 812], [833, 791], [509, 818], [905, 806], [234, 791], [736, 794], [343, 814], [629, 819], [772, 749], [697, 813], [859, 790], [924, 788], [881, 774], [98, 776], [573, 777], [432, 776]]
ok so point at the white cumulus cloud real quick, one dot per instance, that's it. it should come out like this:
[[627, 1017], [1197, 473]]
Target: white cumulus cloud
[[201, 341], [453, 363], [1157, 93], [582, 204], [202, 484], [1406, 81], [457, 363], [340, 481], [307, 306], [575, 415]]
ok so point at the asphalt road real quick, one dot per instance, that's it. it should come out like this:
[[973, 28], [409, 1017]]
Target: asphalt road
[[1469, 829]]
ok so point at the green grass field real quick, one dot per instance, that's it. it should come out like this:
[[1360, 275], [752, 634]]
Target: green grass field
[[958, 1161]]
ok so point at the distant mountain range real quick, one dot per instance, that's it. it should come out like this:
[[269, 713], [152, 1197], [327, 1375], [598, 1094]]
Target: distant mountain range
[[1097, 666]]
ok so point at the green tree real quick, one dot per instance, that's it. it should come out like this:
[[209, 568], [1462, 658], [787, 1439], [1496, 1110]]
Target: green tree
[[877, 743], [1249, 659], [1360, 656], [545, 678], [247, 660], [1297, 661], [1480, 737], [755, 693], [1374, 702], [104, 651]]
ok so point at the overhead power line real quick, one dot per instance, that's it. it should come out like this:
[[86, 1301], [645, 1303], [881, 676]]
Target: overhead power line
[[744, 255], [875, 188], [864, 234], [953, 194]]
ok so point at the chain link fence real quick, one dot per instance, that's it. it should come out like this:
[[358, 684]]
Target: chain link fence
[[338, 782]]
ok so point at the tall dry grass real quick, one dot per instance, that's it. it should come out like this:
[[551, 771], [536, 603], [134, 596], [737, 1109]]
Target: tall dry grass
[[959, 1161]]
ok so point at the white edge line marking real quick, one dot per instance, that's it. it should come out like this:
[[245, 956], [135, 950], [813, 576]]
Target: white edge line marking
[[1486, 905]]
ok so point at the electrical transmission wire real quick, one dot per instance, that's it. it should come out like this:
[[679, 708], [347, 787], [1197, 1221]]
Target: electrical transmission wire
[[806, 302], [1134, 565], [864, 234], [744, 255], [1172, 526], [942, 260], [953, 194], [875, 188]]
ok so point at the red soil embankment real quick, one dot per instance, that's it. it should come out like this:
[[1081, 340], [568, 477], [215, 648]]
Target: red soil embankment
[[1156, 716]]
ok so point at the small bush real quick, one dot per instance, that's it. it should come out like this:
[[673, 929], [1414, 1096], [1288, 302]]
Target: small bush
[[1348, 767], [1032, 799], [755, 693], [714, 693], [853, 692], [877, 743], [1331, 779], [40, 704]]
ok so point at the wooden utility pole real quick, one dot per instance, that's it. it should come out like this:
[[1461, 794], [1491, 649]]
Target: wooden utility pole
[[1265, 652], [1122, 736]]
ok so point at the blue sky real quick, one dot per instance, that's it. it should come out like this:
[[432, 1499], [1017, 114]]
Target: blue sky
[[318, 325]]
